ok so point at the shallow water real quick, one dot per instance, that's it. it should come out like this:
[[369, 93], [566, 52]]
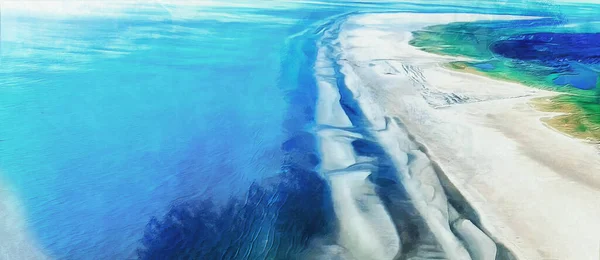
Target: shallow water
[[194, 112]]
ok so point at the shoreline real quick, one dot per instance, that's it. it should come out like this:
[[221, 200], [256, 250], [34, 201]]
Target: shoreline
[[572, 117], [579, 121], [384, 184], [542, 104], [573, 114], [521, 197]]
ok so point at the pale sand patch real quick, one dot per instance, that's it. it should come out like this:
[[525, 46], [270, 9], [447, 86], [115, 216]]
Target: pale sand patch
[[365, 229], [15, 242], [536, 190]]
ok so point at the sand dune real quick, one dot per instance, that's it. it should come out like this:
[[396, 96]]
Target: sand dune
[[388, 198], [535, 190]]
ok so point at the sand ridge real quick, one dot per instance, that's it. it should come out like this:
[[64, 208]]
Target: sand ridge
[[534, 189]]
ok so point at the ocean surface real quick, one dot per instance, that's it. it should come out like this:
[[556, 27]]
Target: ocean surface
[[153, 130]]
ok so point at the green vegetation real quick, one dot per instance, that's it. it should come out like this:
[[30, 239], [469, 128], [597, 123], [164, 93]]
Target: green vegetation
[[581, 118], [457, 39], [472, 40]]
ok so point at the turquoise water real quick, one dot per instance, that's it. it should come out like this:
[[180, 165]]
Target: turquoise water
[[112, 118]]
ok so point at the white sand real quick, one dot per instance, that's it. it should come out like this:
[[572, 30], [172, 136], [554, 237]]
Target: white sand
[[536, 190], [366, 231]]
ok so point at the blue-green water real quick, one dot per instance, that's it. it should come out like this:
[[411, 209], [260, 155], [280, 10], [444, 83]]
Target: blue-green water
[[110, 119]]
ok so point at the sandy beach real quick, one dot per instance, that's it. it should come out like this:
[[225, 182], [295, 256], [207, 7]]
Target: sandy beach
[[421, 162], [535, 190]]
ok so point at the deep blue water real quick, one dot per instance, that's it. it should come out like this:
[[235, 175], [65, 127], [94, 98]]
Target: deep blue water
[[552, 47], [160, 131], [565, 52]]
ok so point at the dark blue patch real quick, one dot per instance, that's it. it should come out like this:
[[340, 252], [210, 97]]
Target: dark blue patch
[[551, 48], [565, 53], [278, 216], [579, 76], [274, 221], [484, 66]]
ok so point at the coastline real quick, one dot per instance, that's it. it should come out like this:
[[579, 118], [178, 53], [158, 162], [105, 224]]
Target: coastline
[[490, 143], [581, 119], [569, 119], [382, 196]]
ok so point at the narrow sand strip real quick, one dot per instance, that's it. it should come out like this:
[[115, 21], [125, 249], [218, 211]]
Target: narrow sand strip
[[536, 190], [366, 231], [387, 197]]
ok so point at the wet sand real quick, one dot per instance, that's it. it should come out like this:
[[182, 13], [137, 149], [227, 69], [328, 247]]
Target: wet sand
[[535, 190]]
